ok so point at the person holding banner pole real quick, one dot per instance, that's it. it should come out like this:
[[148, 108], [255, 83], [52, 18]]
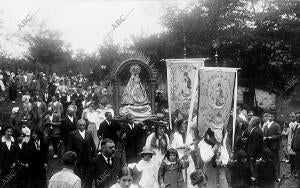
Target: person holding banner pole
[[214, 154], [183, 142]]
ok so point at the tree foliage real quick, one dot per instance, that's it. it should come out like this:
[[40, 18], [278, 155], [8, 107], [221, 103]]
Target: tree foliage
[[47, 48], [259, 36]]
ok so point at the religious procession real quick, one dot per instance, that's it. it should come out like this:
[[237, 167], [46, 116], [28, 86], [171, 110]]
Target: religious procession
[[200, 94]]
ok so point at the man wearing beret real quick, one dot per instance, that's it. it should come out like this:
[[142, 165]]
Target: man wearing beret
[[66, 177]]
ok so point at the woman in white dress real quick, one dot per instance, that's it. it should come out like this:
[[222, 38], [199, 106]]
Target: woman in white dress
[[183, 143], [90, 116]]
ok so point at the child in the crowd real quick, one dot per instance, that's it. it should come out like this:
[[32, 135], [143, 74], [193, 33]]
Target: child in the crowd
[[170, 171], [125, 179], [148, 169], [266, 170], [240, 171]]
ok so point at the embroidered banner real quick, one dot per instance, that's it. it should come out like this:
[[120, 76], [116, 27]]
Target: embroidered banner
[[215, 97], [181, 75]]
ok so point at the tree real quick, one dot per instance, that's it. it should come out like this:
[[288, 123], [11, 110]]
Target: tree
[[261, 36], [46, 47]]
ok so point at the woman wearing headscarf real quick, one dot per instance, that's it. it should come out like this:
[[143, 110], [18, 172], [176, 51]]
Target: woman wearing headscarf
[[159, 142]]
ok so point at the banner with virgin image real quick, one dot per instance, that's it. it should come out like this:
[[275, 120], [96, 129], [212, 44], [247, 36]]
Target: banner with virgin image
[[182, 79], [216, 86]]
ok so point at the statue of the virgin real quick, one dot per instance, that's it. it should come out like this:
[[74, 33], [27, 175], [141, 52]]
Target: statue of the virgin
[[134, 98]]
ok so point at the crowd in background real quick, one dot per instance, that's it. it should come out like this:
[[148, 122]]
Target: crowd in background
[[69, 113]]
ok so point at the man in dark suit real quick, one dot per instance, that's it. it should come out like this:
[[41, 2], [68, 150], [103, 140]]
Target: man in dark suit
[[46, 97], [93, 96], [241, 137], [255, 143], [272, 138], [51, 88], [82, 143], [108, 128], [66, 101], [52, 129], [68, 125], [129, 137], [78, 102], [105, 166]]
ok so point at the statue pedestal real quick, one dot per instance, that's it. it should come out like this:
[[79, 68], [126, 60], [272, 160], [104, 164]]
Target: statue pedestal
[[138, 112]]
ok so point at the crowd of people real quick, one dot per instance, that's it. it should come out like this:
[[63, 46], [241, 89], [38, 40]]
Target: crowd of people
[[75, 118], [259, 146]]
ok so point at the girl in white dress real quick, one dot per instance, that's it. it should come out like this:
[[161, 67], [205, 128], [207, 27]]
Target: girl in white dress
[[148, 169]]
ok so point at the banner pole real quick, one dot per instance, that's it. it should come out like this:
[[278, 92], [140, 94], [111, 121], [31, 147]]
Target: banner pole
[[193, 98], [234, 109]]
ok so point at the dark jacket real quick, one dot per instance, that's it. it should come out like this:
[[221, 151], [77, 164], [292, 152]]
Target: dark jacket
[[255, 143], [67, 126], [64, 101], [103, 174], [275, 132], [78, 99], [266, 173], [131, 143], [109, 131], [84, 148], [78, 102], [8, 157], [46, 98], [51, 88], [242, 141], [23, 153], [240, 174], [94, 97], [37, 159], [52, 128]]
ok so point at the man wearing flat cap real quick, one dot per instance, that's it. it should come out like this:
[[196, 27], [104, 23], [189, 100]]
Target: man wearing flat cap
[[66, 177]]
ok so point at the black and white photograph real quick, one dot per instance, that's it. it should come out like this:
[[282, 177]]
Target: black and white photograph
[[150, 93]]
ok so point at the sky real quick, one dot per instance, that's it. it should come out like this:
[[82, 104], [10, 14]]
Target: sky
[[83, 23]]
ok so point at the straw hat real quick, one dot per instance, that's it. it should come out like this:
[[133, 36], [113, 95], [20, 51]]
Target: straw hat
[[147, 150]]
